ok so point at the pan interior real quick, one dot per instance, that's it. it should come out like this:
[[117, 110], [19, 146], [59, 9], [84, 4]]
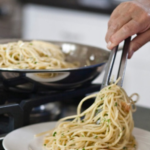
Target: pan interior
[[76, 53]]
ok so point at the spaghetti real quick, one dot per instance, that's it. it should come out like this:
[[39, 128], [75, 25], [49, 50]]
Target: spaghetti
[[106, 125], [33, 55]]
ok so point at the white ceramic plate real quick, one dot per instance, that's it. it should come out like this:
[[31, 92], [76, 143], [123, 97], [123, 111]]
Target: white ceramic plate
[[23, 138]]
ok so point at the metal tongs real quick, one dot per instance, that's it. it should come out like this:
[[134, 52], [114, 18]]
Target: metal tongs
[[110, 64], [122, 65]]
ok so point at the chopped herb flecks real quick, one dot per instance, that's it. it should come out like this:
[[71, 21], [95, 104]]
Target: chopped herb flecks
[[54, 133], [108, 120], [95, 137]]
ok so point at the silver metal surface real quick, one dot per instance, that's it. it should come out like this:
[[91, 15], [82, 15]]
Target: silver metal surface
[[123, 62], [122, 66], [73, 53], [109, 67], [65, 78], [110, 64]]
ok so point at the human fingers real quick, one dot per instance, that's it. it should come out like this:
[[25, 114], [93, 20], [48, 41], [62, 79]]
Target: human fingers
[[115, 26], [123, 29], [119, 17], [129, 29], [138, 42]]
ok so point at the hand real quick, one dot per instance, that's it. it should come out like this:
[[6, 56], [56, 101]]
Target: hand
[[128, 19]]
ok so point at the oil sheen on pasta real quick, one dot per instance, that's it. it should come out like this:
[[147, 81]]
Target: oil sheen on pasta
[[33, 55], [110, 129]]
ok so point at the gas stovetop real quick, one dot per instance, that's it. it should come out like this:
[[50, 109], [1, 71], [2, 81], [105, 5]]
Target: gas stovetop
[[19, 109]]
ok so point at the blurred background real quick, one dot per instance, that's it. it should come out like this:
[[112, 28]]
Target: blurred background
[[81, 21], [70, 20]]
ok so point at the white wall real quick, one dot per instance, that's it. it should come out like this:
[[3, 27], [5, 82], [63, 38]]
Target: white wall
[[88, 28]]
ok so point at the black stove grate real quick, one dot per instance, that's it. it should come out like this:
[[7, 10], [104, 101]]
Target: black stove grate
[[16, 110]]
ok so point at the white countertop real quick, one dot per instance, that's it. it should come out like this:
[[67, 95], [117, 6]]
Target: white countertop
[[49, 23]]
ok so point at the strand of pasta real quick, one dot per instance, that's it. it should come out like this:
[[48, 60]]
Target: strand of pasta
[[33, 55], [109, 129]]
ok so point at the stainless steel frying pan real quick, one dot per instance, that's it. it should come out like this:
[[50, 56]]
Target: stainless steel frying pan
[[65, 78]]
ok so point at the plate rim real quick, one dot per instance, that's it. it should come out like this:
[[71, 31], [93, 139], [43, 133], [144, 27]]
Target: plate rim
[[51, 122]]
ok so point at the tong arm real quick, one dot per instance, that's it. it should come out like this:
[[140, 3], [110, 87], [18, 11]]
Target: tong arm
[[109, 67], [122, 66]]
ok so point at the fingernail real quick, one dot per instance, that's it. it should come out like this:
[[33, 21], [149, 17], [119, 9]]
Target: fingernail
[[109, 45]]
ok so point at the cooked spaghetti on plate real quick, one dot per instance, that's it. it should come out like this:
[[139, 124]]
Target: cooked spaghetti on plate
[[106, 125]]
